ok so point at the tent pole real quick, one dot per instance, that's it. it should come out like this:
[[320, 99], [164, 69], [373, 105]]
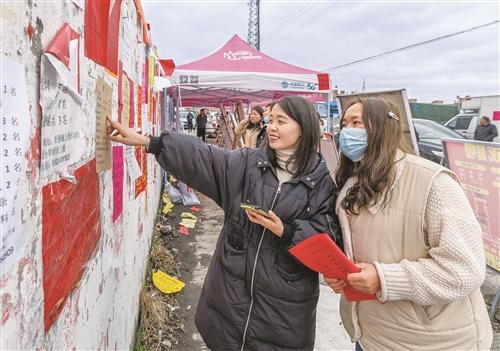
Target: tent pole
[[178, 121], [179, 94]]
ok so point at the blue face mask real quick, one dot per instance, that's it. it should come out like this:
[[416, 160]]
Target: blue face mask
[[353, 143]]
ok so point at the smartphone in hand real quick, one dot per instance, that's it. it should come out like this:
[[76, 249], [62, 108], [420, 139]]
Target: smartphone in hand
[[256, 209]]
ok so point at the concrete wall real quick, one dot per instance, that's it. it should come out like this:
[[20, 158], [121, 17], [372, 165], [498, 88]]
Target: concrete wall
[[101, 311]]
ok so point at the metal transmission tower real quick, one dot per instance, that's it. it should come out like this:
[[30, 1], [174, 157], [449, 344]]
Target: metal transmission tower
[[254, 24]]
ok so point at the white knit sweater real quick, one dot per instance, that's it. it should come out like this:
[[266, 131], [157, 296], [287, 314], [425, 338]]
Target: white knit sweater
[[456, 264]]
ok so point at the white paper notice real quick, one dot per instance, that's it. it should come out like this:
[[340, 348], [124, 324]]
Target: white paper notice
[[127, 51], [146, 127], [62, 143], [132, 166], [15, 126]]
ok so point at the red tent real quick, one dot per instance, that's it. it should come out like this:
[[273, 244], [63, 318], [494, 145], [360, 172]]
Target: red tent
[[239, 73]]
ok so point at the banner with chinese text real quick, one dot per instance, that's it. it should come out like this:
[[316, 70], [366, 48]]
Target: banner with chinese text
[[477, 164]]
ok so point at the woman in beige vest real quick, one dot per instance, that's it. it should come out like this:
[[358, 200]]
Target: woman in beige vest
[[251, 129], [408, 225]]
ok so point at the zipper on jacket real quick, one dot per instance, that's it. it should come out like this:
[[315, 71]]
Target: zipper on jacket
[[278, 191]]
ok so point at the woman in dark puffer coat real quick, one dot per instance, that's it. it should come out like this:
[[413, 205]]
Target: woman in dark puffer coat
[[255, 295]]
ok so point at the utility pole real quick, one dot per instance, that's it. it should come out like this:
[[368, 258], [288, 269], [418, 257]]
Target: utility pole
[[254, 24], [364, 85]]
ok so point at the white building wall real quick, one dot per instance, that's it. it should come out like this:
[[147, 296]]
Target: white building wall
[[102, 310]]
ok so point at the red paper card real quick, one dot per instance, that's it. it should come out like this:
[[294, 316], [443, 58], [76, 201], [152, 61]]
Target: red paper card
[[320, 254], [70, 233], [102, 23], [183, 230]]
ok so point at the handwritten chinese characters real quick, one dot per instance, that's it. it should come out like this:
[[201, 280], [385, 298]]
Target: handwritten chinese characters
[[103, 109]]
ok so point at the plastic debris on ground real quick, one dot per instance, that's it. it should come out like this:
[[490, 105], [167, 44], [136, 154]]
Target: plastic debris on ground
[[173, 193], [168, 204], [183, 230], [166, 283], [189, 198], [188, 223], [161, 323], [188, 215]]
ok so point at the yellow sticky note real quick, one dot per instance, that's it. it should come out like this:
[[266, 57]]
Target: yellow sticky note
[[188, 223], [188, 215], [166, 283]]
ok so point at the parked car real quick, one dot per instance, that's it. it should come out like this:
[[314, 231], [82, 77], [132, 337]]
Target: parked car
[[466, 124], [461, 123], [430, 134], [471, 110]]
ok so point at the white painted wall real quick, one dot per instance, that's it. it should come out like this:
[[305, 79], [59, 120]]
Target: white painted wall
[[102, 311]]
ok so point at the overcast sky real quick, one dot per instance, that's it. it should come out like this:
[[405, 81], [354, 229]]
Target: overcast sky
[[323, 34]]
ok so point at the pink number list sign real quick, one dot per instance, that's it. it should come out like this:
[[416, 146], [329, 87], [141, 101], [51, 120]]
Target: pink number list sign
[[117, 181]]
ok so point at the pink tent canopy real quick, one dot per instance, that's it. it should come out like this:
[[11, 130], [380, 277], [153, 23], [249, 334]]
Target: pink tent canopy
[[239, 73]]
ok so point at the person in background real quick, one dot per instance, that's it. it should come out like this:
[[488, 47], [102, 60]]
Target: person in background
[[201, 124], [251, 129], [265, 121], [255, 295], [485, 131], [408, 225], [190, 118], [267, 111], [321, 123]]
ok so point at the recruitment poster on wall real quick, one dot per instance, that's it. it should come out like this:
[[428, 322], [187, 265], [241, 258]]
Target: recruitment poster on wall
[[15, 125], [60, 101], [477, 164], [103, 110]]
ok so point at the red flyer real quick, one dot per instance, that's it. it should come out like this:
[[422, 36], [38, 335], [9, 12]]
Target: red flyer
[[320, 254]]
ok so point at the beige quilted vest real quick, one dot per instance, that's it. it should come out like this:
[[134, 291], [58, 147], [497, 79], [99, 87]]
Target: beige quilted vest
[[388, 235]]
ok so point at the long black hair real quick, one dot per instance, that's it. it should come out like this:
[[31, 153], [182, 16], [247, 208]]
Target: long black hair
[[301, 111], [260, 111]]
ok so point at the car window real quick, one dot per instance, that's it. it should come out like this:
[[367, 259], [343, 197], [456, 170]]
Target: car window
[[463, 122], [432, 130], [452, 124]]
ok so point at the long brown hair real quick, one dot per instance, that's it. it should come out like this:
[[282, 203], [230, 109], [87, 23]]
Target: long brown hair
[[375, 172]]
